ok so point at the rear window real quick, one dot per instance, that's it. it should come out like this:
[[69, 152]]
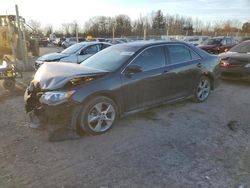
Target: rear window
[[178, 54]]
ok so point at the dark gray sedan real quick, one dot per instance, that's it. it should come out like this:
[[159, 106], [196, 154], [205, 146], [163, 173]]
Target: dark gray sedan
[[120, 80], [73, 54]]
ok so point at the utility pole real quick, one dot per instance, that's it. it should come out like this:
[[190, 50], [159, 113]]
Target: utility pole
[[145, 34], [113, 31], [21, 37], [76, 28]]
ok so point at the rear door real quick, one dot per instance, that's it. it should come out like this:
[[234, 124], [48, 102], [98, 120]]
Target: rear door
[[182, 71]]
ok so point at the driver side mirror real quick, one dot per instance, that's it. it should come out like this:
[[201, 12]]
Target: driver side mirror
[[133, 69]]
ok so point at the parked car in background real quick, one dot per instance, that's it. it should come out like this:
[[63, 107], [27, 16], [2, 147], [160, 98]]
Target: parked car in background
[[217, 45], [196, 40], [116, 40], [99, 39], [74, 54], [119, 80], [70, 41], [244, 39], [235, 64]]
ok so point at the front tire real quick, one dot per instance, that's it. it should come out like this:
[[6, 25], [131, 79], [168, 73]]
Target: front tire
[[202, 89], [98, 115]]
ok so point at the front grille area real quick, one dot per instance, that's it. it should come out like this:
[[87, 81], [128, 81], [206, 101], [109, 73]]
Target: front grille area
[[33, 94]]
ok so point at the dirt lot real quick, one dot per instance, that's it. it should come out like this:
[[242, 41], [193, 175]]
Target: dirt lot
[[181, 145]]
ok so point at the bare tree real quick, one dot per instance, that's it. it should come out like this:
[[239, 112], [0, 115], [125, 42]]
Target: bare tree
[[66, 29], [36, 26], [48, 29], [198, 26]]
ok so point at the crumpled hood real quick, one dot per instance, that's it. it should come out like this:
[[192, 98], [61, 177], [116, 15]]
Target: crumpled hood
[[206, 46], [54, 75], [52, 57]]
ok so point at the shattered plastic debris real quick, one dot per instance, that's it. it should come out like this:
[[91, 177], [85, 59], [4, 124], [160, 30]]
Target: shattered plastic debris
[[34, 122], [233, 125]]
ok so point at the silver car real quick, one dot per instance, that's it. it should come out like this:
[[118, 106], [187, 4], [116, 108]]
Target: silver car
[[74, 54]]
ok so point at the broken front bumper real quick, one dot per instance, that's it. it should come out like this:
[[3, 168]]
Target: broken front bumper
[[42, 113]]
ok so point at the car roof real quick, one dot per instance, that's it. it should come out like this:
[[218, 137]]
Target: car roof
[[141, 44]]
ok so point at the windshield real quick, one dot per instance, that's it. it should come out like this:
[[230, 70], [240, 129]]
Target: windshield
[[241, 48], [212, 41], [110, 58], [73, 49]]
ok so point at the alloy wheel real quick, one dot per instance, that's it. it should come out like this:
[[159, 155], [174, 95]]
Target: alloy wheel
[[101, 117], [203, 89]]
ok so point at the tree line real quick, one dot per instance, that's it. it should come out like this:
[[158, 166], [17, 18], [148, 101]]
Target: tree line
[[155, 23]]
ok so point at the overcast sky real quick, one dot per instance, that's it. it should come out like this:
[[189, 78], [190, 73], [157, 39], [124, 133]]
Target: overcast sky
[[57, 12]]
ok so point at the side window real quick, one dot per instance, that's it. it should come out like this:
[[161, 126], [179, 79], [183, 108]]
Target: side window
[[151, 59], [178, 54], [224, 42], [229, 41], [91, 49], [103, 46]]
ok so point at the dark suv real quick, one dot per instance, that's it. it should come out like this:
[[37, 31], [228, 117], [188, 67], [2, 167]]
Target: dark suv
[[217, 45]]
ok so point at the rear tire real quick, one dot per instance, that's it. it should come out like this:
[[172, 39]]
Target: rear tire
[[98, 115], [202, 89]]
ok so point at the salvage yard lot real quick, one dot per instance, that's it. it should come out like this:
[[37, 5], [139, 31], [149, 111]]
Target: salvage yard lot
[[180, 145]]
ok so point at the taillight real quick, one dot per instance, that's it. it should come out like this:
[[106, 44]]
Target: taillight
[[225, 64], [235, 65]]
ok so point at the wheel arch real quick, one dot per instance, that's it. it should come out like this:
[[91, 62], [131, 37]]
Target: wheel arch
[[211, 78], [105, 94]]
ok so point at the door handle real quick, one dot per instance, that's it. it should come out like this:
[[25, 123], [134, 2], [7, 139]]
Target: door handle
[[199, 65]]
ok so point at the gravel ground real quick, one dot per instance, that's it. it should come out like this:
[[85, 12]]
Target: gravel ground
[[180, 145]]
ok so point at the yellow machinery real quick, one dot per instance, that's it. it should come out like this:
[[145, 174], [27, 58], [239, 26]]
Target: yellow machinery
[[8, 36], [10, 41]]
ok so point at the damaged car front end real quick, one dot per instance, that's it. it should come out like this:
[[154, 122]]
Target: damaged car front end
[[50, 95]]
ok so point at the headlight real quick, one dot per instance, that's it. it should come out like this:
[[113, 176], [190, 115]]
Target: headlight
[[56, 97]]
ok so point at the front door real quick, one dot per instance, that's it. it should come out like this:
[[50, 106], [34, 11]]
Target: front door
[[145, 88]]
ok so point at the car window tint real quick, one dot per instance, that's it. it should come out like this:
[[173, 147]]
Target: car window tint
[[178, 54], [91, 49], [151, 59]]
